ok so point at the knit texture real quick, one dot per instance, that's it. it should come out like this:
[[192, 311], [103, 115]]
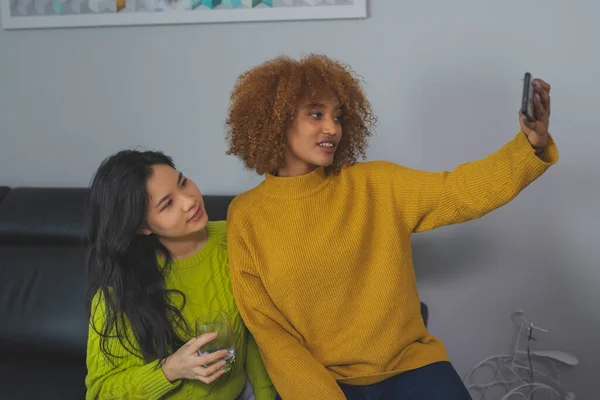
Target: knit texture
[[322, 268], [204, 279]]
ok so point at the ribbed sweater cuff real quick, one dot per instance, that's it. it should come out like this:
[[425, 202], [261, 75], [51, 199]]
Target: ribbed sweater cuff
[[542, 161], [155, 383]]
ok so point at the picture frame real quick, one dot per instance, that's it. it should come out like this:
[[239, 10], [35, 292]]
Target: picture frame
[[34, 14]]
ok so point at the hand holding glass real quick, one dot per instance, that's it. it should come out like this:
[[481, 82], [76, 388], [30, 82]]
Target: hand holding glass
[[217, 322]]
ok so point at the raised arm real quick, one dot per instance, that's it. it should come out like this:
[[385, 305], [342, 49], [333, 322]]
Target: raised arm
[[432, 199]]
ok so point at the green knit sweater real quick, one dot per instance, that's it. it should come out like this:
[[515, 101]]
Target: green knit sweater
[[204, 279]]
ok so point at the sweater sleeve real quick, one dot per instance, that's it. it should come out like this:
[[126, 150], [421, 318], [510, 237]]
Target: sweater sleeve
[[257, 374], [428, 200], [297, 375], [123, 377]]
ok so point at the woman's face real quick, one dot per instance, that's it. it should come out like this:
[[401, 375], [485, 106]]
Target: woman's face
[[313, 137], [175, 204]]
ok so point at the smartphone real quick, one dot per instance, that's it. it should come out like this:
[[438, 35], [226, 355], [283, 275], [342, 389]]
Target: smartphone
[[527, 101]]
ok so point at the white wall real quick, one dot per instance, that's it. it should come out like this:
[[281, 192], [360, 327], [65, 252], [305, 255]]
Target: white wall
[[444, 78]]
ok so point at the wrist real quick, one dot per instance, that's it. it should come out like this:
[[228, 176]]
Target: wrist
[[539, 150], [167, 370]]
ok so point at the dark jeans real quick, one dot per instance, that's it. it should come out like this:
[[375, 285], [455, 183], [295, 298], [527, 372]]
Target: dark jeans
[[438, 381]]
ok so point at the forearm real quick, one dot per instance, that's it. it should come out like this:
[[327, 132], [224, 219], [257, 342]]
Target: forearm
[[293, 369], [124, 375], [479, 187], [133, 382]]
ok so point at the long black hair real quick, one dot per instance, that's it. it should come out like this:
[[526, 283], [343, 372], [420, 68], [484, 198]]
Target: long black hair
[[123, 268]]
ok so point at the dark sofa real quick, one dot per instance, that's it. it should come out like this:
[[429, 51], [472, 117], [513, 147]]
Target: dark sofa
[[43, 325]]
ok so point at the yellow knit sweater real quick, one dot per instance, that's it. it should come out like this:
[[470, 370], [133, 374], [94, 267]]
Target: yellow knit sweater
[[322, 270]]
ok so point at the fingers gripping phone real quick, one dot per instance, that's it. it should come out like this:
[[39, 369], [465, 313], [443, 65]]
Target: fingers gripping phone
[[527, 100]]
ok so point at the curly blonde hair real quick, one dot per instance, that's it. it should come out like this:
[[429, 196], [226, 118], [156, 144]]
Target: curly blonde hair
[[266, 98]]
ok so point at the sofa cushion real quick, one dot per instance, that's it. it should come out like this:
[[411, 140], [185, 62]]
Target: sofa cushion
[[42, 301], [57, 377]]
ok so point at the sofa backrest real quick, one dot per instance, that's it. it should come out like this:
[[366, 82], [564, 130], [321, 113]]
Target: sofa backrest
[[3, 191], [42, 299], [42, 304]]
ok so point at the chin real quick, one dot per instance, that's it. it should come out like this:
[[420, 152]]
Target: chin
[[322, 161], [326, 163], [200, 225]]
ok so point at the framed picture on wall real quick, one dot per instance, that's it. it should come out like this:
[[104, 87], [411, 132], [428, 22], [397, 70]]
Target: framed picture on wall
[[23, 14]]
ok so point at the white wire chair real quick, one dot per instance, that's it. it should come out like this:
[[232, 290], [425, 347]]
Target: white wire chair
[[526, 373]]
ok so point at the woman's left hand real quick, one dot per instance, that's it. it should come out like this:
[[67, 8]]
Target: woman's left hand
[[537, 132]]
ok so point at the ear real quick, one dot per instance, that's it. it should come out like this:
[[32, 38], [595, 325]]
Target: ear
[[144, 231]]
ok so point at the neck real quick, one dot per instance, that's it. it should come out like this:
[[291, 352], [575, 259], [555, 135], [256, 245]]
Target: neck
[[296, 170], [186, 246], [295, 186]]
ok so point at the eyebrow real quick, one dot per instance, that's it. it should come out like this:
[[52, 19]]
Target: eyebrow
[[165, 197], [319, 105]]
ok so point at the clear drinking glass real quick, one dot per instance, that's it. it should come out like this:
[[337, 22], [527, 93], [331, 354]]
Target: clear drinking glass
[[217, 321]]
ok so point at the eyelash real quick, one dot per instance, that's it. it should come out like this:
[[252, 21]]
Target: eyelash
[[170, 202], [319, 115]]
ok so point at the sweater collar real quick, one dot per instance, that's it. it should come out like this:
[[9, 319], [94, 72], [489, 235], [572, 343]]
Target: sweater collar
[[201, 255], [296, 186]]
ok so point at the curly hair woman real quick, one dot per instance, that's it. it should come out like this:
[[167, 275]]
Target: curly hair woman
[[320, 251]]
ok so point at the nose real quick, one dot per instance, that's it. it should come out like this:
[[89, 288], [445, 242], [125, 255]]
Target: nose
[[188, 202], [329, 126]]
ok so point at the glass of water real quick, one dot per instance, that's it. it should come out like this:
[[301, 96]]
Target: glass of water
[[217, 322]]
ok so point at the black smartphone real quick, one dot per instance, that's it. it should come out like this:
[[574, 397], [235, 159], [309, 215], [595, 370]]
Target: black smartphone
[[527, 101]]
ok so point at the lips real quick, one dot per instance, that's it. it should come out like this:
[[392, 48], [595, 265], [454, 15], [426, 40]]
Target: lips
[[328, 145], [197, 215]]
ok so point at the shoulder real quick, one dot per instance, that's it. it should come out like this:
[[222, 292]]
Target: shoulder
[[372, 169], [98, 306], [242, 205], [218, 229]]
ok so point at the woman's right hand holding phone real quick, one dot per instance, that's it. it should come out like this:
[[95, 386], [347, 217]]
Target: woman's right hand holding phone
[[185, 363], [537, 131]]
